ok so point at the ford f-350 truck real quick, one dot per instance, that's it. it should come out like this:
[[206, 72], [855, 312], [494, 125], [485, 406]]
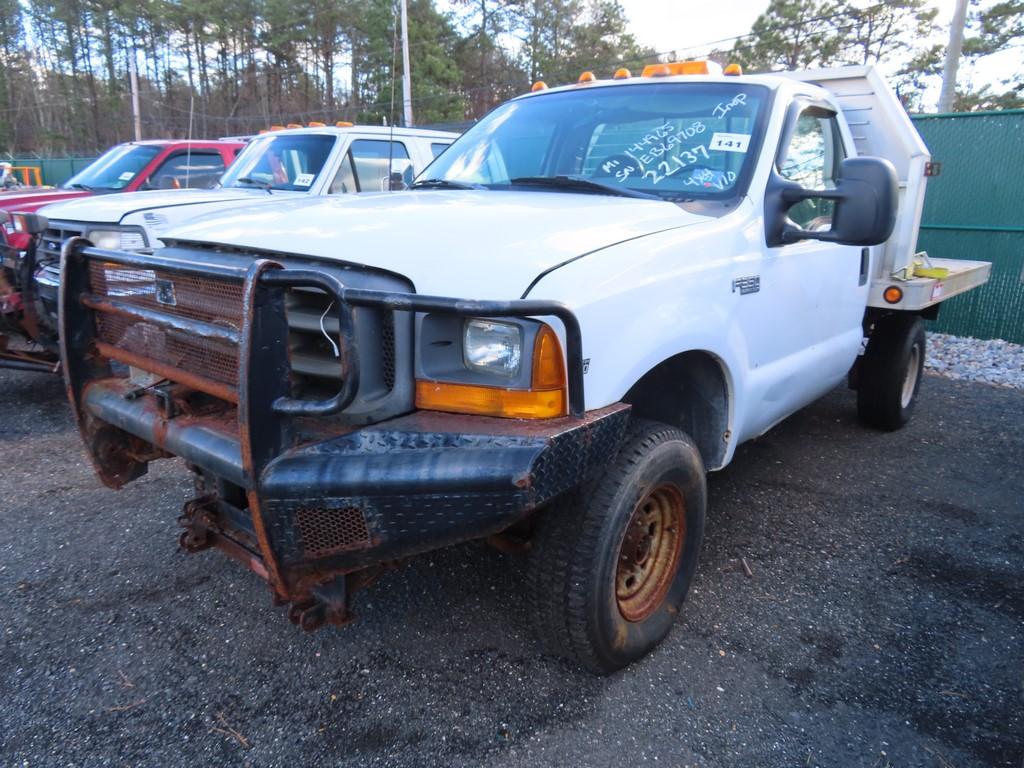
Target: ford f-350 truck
[[591, 299]]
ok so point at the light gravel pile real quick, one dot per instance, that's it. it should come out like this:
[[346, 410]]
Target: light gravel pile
[[960, 357]]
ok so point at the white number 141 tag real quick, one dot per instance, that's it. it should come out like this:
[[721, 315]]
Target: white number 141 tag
[[730, 142]]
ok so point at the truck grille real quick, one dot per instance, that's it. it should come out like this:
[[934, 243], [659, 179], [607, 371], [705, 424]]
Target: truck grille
[[209, 300], [53, 238], [192, 359]]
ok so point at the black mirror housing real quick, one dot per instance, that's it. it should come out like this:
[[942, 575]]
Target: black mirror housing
[[35, 223], [866, 196]]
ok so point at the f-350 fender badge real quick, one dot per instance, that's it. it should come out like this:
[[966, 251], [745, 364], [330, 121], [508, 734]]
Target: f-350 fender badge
[[745, 285]]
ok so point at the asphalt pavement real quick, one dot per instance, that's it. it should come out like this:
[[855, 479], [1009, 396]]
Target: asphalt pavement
[[882, 623]]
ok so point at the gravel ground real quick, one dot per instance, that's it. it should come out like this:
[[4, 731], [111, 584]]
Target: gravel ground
[[882, 626], [992, 361]]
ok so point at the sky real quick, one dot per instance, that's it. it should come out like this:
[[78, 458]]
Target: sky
[[676, 25], [672, 25]]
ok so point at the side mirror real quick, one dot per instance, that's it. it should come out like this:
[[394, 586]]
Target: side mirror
[[865, 199], [35, 223]]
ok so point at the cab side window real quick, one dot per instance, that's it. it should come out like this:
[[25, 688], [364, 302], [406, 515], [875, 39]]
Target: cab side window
[[376, 163], [812, 160], [345, 180], [196, 170]]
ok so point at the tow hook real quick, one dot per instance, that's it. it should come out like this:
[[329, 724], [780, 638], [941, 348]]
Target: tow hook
[[328, 604], [196, 519]]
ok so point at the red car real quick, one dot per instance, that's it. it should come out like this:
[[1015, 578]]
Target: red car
[[131, 167]]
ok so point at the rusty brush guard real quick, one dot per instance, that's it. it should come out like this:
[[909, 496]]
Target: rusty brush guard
[[285, 487]]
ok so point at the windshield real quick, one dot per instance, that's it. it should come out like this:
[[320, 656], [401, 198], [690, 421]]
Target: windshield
[[285, 162], [674, 140], [114, 169]]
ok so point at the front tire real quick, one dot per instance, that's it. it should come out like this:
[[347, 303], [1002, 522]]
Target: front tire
[[890, 374], [611, 566]]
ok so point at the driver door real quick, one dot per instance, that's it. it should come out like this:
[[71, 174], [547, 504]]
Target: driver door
[[803, 324]]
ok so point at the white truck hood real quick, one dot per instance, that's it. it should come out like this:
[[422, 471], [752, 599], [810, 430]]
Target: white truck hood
[[478, 244], [111, 209]]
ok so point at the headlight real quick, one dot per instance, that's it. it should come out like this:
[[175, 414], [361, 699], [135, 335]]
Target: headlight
[[513, 369], [116, 239], [493, 347]]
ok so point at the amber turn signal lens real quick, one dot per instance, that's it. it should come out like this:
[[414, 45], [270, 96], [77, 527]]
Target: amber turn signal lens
[[490, 401], [547, 397], [893, 294], [548, 363]]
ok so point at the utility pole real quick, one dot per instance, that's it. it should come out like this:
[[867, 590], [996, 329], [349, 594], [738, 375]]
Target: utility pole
[[956, 45], [134, 78], [406, 81]]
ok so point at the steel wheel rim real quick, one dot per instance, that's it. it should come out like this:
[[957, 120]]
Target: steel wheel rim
[[910, 377], [649, 553]]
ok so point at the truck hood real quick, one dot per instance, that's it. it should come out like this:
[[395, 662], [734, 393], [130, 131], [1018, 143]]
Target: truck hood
[[478, 244], [27, 201], [111, 209]]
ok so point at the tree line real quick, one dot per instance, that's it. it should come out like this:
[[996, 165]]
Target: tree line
[[234, 67], [211, 68]]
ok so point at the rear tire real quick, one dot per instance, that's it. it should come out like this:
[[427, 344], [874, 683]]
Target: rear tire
[[890, 372], [611, 566]]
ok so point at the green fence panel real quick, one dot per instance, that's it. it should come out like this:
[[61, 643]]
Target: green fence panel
[[974, 209], [54, 170]]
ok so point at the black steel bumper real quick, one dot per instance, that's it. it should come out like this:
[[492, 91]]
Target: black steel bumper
[[302, 509]]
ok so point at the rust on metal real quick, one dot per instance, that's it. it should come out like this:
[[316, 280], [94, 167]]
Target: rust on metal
[[649, 552], [223, 391], [245, 426]]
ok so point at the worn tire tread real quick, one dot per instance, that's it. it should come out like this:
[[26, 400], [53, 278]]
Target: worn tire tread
[[565, 543]]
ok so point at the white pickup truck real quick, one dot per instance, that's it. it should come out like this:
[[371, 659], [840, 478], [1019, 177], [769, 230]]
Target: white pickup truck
[[591, 299], [277, 165]]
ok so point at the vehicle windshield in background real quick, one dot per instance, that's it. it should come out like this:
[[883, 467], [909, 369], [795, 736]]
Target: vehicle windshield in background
[[115, 168], [674, 140], [280, 162]]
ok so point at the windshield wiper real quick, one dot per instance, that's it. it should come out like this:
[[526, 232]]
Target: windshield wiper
[[80, 185], [256, 183], [578, 183], [443, 184]]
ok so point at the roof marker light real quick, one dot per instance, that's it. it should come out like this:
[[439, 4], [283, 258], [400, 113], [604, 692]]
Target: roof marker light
[[695, 67], [586, 77], [622, 74], [733, 69], [294, 125], [540, 85], [277, 127], [315, 124], [656, 70], [343, 124]]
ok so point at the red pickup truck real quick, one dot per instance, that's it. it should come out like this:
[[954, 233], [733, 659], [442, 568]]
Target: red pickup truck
[[130, 167]]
